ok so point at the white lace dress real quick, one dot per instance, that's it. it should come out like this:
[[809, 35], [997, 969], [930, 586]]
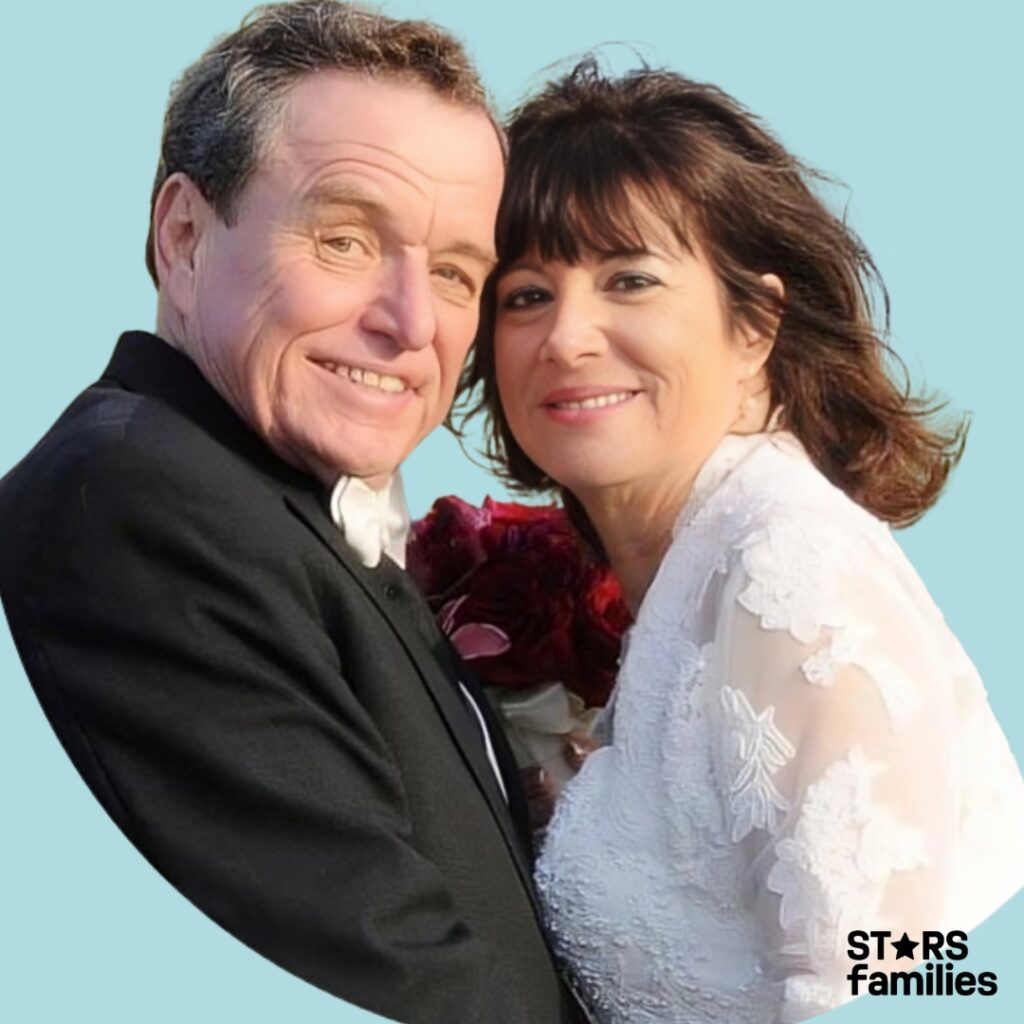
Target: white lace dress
[[798, 747]]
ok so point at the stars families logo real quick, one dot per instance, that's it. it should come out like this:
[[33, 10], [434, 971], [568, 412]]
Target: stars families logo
[[937, 976]]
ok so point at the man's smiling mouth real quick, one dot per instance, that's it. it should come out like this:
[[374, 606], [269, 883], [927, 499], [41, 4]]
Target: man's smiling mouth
[[367, 378]]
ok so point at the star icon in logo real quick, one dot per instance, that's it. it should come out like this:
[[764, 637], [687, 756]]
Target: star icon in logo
[[905, 947]]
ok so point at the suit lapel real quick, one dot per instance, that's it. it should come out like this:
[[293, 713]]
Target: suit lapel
[[461, 726]]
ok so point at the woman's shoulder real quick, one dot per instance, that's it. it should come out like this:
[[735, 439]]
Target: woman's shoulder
[[767, 484], [788, 545], [779, 491], [763, 516], [781, 479]]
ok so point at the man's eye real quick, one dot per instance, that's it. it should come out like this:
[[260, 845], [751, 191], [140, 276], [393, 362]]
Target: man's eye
[[524, 298], [343, 244], [455, 276], [343, 240]]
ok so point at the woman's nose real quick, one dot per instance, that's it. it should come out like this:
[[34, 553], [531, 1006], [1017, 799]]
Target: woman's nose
[[575, 331]]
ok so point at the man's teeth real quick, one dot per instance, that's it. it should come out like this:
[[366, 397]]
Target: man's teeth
[[368, 378], [598, 402]]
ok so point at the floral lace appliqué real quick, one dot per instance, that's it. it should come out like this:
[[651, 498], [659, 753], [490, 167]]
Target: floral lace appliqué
[[757, 750], [821, 668], [848, 646], [832, 872], [791, 575]]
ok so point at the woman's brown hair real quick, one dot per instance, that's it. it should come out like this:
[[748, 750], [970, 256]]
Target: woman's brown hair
[[588, 152]]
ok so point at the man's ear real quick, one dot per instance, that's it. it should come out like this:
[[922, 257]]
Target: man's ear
[[180, 216], [756, 343]]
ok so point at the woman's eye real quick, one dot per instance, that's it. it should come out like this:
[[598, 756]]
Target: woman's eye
[[632, 282], [524, 298]]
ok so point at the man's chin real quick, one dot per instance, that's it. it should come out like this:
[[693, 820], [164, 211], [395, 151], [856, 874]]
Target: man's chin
[[376, 481], [368, 452], [329, 466]]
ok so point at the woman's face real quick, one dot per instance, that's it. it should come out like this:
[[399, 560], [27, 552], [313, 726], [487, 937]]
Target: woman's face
[[623, 370]]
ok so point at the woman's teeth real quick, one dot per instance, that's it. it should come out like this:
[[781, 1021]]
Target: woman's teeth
[[598, 402]]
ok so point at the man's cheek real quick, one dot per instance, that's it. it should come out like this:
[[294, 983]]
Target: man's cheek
[[306, 298]]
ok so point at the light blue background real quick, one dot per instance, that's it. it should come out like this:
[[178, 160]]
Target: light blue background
[[914, 105]]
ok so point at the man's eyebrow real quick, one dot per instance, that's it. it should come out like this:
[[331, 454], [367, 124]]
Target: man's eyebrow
[[337, 194], [340, 194], [473, 252]]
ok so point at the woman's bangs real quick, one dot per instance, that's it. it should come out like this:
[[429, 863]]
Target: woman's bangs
[[582, 200]]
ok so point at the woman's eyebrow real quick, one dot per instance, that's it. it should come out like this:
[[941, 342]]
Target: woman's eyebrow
[[600, 256], [525, 264], [627, 252]]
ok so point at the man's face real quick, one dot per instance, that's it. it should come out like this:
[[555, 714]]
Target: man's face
[[336, 312]]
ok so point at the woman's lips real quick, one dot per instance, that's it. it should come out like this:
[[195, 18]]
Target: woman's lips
[[583, 405]]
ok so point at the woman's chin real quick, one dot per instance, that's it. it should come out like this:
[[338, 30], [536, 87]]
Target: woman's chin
[[591, 477]]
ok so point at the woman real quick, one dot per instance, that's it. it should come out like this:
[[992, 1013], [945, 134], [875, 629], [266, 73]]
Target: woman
[[798, 747]]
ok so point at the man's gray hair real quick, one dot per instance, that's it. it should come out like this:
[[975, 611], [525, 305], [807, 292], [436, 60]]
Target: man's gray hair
[[223, 108]]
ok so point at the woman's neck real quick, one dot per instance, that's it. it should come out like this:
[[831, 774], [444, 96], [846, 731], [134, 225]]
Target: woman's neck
[[635, 527]]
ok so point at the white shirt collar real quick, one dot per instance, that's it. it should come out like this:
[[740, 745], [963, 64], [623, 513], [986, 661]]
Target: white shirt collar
[[374, 522]]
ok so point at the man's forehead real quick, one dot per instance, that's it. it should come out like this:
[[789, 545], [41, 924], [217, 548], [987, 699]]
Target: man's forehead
[[400, 126]]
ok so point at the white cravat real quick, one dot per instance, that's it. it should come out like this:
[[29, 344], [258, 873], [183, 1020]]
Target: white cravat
[[375, 522]]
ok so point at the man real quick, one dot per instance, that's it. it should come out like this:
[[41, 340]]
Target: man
[[199, 559]]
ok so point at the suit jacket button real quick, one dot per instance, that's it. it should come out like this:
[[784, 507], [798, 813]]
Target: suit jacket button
[[392, 591]]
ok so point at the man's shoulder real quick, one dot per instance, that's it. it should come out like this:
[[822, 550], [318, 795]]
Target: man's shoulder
[[110, 430], [132, 454]]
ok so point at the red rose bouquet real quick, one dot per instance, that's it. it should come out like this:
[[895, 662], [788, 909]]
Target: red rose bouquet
[[540, 619]]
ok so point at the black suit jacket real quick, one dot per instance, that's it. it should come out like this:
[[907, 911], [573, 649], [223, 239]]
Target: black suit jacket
[[277, 728]]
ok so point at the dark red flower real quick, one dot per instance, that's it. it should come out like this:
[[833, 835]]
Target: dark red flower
[[602, 619], [445, 545], [519, 596]]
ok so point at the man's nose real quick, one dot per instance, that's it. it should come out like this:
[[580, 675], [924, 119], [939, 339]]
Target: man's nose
[[403, 307], [575, 331]]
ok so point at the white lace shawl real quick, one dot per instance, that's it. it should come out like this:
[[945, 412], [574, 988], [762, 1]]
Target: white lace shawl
[[798, 747]]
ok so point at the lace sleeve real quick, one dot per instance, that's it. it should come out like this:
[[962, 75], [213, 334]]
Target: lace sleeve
[[836, 752]]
